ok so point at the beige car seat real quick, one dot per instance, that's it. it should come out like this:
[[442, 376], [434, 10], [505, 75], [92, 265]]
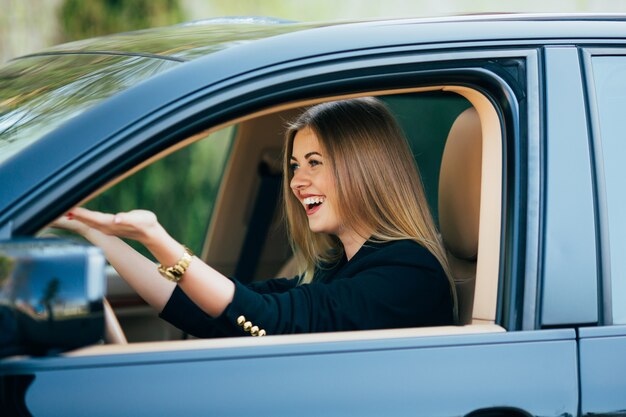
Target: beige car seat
[[459, 205]]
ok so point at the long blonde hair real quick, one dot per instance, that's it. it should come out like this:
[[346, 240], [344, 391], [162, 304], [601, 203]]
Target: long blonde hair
[[377, 182]]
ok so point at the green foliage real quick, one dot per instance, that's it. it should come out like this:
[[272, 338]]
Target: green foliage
[[82, 19], [6, 267], [180, 188]]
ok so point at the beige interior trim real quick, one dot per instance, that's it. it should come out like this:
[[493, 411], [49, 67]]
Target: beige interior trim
[[487, 265], [202, 344], [479, 322]]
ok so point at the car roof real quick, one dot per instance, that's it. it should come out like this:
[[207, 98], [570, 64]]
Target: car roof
[[184, 41], [195, 39]]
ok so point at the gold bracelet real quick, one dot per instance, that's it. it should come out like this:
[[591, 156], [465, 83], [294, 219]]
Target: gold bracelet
[[176, 272]]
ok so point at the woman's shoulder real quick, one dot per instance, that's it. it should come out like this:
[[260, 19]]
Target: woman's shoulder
[[403, 252]]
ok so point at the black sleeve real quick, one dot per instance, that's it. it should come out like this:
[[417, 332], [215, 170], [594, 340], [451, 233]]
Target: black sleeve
[[273, 285], [379, 297], [184, 314]]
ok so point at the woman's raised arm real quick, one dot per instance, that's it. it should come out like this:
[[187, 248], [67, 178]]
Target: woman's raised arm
[[209, 289]]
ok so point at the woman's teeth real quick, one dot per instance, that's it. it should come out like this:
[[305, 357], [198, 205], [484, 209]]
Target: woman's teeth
[[313, 201]]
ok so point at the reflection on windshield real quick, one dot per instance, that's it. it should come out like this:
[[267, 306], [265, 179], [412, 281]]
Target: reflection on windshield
[[39, 93], [186, 41]]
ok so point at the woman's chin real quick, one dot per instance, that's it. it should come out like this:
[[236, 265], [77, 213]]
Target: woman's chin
[[322, 228], [315, 227], [316, 230]]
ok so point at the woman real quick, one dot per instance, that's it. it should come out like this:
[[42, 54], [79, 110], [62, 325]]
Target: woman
[[368, 250]]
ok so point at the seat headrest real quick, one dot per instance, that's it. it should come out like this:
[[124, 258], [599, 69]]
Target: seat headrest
[[459, 186]]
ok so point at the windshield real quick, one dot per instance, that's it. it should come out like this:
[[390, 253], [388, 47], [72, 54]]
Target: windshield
[[39, 93]]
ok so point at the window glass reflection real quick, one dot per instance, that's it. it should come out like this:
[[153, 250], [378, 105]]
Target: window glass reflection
[[39, 93]]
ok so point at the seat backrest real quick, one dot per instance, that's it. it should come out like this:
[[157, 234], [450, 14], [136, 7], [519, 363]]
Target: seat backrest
[[459, 205]]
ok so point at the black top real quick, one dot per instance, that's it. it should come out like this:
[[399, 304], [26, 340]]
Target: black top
[[385, 285]]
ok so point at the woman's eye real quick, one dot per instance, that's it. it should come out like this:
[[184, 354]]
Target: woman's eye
[[293, 166], [314, 162]]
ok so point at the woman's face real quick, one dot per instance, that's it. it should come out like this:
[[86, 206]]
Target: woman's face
[[313, 183]]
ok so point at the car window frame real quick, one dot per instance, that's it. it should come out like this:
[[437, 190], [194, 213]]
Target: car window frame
[[468, 65], [465, 60]]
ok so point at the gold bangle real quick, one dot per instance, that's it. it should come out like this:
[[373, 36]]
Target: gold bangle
[[176, 272]]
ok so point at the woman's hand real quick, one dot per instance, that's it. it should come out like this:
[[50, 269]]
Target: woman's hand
[[139, 225], [208, 288]]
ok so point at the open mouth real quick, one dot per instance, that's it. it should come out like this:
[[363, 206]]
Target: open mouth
[[312, 204]]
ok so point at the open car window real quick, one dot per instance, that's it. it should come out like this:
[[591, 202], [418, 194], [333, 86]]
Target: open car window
[[181, 189], [226, 187]]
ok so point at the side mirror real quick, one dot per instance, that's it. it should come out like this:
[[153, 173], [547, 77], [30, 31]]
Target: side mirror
[[51, 295]]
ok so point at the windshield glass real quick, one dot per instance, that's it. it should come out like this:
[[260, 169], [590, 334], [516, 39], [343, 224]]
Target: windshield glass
[[38, 93]]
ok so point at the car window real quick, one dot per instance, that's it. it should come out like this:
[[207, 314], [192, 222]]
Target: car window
[[241, 162], [610, 86], [180, 188]]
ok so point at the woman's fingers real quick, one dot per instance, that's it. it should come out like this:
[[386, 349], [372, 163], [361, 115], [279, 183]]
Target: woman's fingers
[[133, 224], [143, 218], [93, 218], [67, 222], [62, 223]]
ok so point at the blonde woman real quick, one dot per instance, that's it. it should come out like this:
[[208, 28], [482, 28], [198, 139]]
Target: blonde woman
[[360, 227]]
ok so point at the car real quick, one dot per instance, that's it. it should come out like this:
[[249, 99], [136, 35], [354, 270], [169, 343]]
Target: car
[[515, 123]]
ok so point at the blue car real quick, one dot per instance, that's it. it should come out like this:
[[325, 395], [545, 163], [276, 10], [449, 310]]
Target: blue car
[[515, 122]]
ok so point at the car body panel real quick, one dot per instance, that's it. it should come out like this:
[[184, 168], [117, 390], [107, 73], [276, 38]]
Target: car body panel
[[569, 252], [603, 370], [409, 375]]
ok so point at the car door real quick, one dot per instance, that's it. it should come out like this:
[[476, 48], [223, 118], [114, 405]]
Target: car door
[[519, 371], [500, 374], [602, 362]]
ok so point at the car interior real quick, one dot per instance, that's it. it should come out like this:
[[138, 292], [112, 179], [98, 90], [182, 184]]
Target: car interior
[[456, 137]]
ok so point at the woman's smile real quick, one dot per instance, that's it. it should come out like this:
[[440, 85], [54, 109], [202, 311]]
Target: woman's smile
[[313, 204]]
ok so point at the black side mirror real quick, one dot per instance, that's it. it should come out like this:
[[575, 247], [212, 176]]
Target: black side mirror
[[51, 296]]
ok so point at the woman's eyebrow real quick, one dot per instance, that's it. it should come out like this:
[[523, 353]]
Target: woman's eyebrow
[[307, 156], [310, 154]]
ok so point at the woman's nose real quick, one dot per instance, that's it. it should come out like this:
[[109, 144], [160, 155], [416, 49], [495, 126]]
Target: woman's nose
[[300, 180]]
